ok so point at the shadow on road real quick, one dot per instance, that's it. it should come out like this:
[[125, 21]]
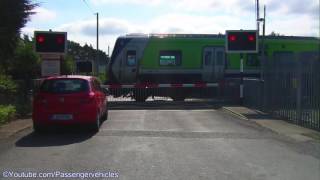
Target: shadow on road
[[54, 137], [166, 105]]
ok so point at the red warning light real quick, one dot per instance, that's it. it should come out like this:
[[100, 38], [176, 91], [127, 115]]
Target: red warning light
[[40, 39], [251, 38], [232, 38], [241, 41], [50, 42], [60, 40]]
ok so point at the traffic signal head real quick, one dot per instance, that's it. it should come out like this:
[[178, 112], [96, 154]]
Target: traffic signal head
[[50, 42], [243, 41]]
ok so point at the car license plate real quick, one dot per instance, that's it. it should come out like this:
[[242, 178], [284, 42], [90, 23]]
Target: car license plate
[[61, 117]]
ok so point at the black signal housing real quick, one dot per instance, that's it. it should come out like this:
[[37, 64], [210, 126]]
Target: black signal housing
[[241, 41], [50, 42]]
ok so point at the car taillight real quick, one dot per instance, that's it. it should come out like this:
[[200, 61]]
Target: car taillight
[[88, 99]]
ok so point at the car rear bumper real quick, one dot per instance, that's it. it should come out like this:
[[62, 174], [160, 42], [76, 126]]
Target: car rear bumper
[[80, 118]]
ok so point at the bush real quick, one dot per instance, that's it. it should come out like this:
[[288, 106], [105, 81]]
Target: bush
[[8, 89], [7, 113], [102, 77], [7, 85], [15, 93], [22, 100], [26, 63]]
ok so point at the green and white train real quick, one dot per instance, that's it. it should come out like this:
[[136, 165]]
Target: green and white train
[[191, 58]]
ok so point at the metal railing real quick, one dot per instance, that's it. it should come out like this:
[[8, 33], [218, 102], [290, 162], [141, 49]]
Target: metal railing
[[290, 90]]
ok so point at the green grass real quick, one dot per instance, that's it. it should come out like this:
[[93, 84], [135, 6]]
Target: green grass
[[7, 113]]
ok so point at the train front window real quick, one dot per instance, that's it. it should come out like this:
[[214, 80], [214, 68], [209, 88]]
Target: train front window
[[131, 58], [170, 58]]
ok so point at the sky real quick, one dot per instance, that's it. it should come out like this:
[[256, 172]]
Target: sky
[[120, 17]]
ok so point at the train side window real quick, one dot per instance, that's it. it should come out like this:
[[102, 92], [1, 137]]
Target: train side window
[[131, 58], [170, 58], [252, 60], [207, 58]]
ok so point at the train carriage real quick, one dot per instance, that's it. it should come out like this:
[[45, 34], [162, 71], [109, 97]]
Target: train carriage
[[191, 58]]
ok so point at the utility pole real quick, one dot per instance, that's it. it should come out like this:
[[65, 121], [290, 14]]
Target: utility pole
[[263, 59], [264, 20], [258, 18], [96, 64], [263, 65]]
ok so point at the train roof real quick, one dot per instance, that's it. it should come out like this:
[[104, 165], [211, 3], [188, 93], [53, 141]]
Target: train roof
[[219, 36]]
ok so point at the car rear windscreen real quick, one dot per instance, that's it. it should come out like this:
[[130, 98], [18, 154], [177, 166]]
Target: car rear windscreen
[[64, 86]]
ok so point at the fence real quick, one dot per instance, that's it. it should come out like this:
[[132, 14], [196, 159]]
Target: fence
[[290, 88], [160, 92], [227, 91]]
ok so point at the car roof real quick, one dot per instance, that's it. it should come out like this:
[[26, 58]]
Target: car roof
[[88, 78]]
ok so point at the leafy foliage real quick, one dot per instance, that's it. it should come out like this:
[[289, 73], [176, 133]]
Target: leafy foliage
[[26, 63], [14, 15], [86, 53], [67, 65], [7, 86], [7, 113]]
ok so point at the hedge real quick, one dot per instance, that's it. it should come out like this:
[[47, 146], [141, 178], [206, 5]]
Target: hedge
[[7, 113]]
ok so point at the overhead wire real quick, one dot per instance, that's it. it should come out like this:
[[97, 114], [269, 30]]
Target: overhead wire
[[87, 4]]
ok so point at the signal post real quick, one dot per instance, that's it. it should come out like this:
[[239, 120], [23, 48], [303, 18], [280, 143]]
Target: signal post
[[52, 47], [241, 42]]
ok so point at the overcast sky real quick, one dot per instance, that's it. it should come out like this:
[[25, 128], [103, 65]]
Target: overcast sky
[[119, 17]]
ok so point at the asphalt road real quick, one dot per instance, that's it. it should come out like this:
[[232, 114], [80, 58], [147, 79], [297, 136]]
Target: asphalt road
[[198, 142]]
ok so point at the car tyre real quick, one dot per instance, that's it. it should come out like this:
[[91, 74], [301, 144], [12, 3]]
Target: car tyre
[[104, 116], [37, 128], [96, 125]]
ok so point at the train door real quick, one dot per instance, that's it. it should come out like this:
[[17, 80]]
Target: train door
[[219, 62], [213, 63], [129, 65]]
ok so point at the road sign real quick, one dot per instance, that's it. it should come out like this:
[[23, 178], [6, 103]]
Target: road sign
[[51, 56], [241, 41], [50, 42], [50, 68]]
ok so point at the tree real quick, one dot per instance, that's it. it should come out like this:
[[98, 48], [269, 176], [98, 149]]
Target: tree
[[275, 34], [14, 14], [25, 63], [23, 67], [67, 65]]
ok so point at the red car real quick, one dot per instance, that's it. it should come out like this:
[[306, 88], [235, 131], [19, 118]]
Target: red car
[[69, 100]]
